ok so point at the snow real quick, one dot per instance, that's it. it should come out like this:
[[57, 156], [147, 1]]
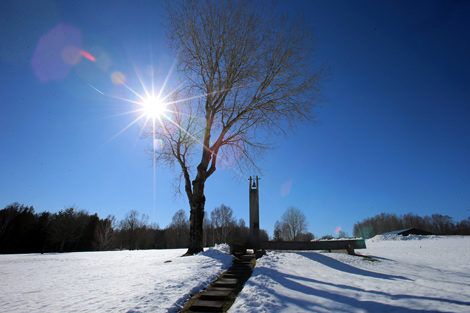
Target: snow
[[412, 274], [120, 281]]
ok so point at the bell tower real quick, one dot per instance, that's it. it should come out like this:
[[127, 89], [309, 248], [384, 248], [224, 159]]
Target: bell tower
[[254, 212]]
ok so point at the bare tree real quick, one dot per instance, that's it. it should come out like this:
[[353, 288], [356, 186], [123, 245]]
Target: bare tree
[[132, 227], [208, 232], [263, 235], [223, 223], [463, 227], [277, 234], [294, 224], [243, 232], [308, 236], [442, 224], [104, 233], [341, 234], [248, 73], [177, 232]]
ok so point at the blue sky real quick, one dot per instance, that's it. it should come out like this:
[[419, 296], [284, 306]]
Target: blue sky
[[394, 135]]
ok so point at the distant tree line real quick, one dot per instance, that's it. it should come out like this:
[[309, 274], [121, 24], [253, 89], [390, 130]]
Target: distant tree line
[[387, 222], [22, 230]]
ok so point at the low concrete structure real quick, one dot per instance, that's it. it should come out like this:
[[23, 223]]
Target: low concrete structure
[[347, 245], [409, 231]]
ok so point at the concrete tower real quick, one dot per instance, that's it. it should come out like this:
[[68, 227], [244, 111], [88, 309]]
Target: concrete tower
[[254, 213]]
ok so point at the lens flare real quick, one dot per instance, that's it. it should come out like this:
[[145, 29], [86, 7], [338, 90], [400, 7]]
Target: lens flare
[[56, 52], [285, 188], [158, 144], [70, 55], [118, 78], [87, 55]]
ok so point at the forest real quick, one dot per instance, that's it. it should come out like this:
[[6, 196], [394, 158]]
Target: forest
[[437, 224], [22, 230]]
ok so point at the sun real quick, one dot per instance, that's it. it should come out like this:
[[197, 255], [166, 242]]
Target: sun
[[153, 107]]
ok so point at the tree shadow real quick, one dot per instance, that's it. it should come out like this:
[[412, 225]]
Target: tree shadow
[[374, 257], [291, 282], [380, 293], [343, 267]]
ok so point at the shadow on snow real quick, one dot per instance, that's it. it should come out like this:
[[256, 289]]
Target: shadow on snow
[[292, 282], [343, 267]]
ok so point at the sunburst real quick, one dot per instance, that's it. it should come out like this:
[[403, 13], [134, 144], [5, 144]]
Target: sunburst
[[154, 107], [147, 106]]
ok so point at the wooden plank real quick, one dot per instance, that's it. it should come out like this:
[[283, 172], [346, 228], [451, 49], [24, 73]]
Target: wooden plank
[[207, 306]]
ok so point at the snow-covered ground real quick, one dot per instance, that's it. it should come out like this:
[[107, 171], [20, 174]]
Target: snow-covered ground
[[121, 281], [414, 274]]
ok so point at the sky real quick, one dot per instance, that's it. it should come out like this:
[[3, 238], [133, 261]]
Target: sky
[[393, 136]]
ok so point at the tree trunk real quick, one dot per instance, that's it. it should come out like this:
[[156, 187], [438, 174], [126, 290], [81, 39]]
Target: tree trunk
[[196, 219], [196, 230]]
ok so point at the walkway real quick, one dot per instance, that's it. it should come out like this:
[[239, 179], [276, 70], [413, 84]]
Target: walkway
[[221, 294]]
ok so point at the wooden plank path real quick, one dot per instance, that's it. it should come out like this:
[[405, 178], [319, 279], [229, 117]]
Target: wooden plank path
[[221, 294]]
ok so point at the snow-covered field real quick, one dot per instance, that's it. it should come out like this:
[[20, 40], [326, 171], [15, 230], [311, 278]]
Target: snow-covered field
[[414, 274], [122, 281]]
